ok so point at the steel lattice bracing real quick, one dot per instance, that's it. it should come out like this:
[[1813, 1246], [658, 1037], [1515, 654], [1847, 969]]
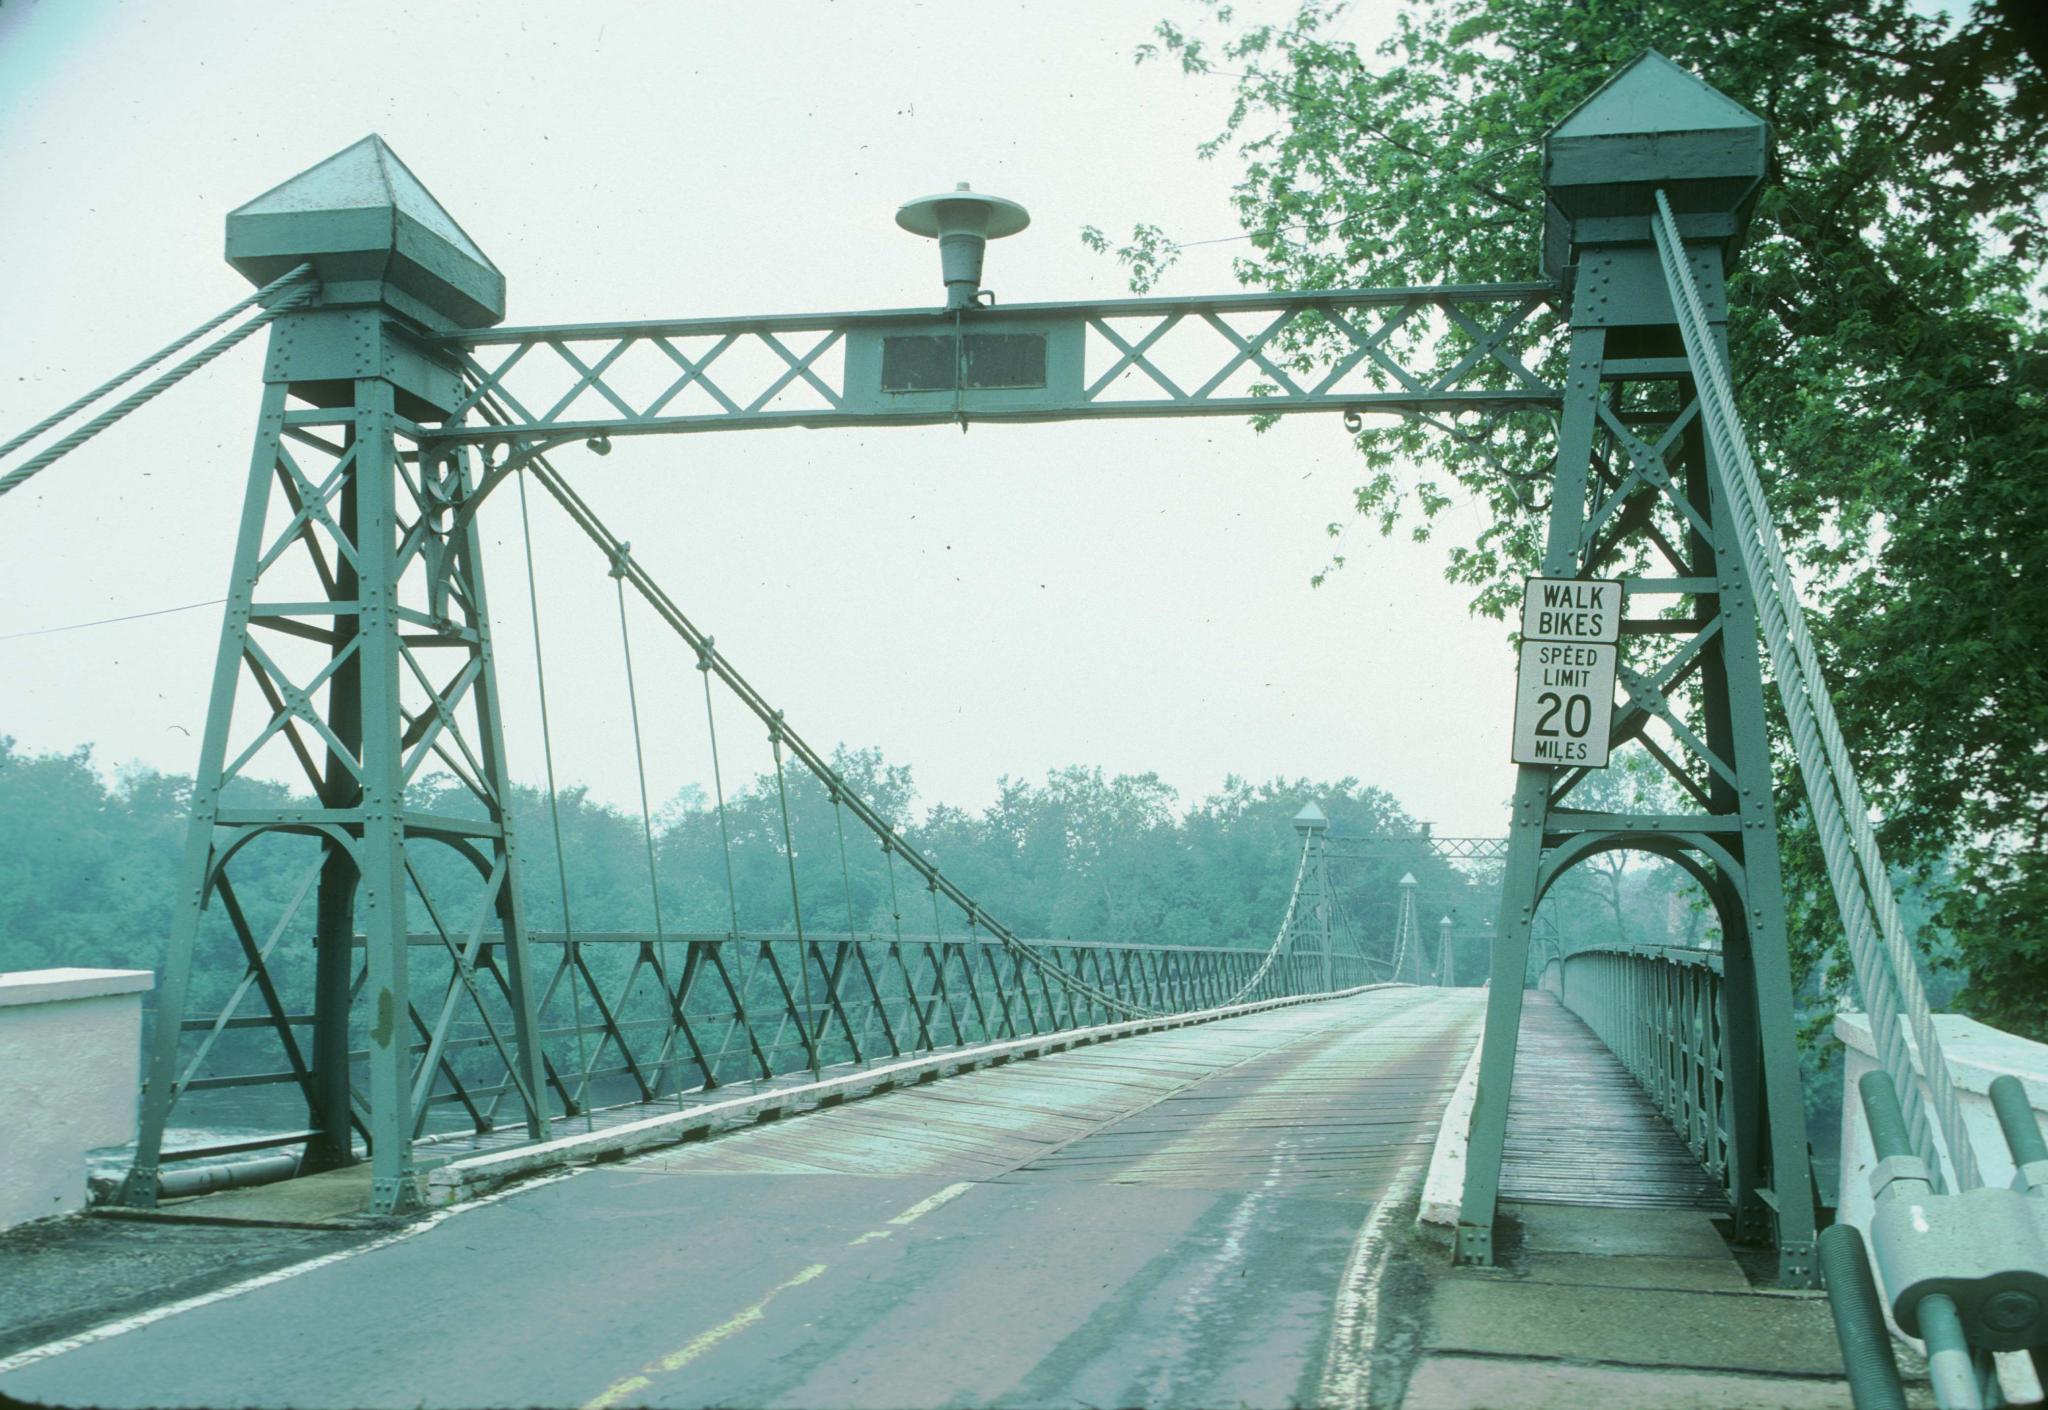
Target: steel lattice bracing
[[1442, 350], [356, 647], [1640, 493], [1451, 849], [691, 1011], [355, 656]]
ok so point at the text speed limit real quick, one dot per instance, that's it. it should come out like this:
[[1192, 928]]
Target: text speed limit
[[1564, 703]]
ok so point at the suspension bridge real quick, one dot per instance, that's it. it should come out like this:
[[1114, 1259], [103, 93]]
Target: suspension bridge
[[565, 1166]]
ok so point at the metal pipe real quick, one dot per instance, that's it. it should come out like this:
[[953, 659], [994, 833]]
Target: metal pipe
[[1886, 1118], [228, 1175], [1866, 1342], [1950, 1365], [2017, 1120]]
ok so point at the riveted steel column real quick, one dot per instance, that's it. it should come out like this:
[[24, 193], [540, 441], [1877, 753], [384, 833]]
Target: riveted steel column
[[351, 379], [382, 842], [334, 948], [1488, 1132]]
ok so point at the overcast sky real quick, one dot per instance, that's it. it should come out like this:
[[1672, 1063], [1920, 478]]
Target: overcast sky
[[1124, 593]]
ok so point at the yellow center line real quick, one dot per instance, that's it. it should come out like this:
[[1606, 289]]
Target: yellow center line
[[620, 1390], [915, 1212], [697, 1346], [926, 1206]]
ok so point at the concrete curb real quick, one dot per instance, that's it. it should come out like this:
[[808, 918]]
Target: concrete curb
[[477, 1175], [1443, 1190]]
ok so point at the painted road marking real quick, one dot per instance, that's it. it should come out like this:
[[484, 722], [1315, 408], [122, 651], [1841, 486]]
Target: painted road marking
[[915, 1212], [1354, 1321], [698, 1345], [926, 1206], [740, 1321], [108, 1330]]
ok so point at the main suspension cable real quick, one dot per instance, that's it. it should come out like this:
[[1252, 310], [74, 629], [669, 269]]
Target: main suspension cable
[[585, 519], [1286, 929], [292, 293], [1886, 965]]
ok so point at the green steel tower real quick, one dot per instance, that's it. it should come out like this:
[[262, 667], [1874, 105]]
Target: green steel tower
[[1639, 494], [356, 643]]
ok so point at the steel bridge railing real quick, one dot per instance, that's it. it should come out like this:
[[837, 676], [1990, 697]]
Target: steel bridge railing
[[1661, 1010], [666, 1015]]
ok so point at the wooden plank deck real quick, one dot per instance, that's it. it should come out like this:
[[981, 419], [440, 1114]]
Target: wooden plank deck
[[1326, 1099], [1582, 1131]]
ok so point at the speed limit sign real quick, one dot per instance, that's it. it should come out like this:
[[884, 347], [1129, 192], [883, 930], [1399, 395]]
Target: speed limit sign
[[1564, 690]]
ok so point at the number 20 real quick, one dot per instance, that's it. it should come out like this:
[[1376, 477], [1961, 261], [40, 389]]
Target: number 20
[[1578, 714]]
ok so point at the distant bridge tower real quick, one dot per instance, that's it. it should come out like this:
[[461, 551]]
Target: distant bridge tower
[[1408, 936], [1314, 828], [1446, 961]]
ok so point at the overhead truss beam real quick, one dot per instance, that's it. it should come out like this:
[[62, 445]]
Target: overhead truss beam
[[1442, 350]]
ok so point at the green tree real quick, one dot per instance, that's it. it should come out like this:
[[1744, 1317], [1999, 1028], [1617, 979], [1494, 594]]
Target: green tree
[[1887, 337]]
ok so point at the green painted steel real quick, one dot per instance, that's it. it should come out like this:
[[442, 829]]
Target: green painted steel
[[1639, 494], [357, 646], [1434, 349], [375, 237], [1873, 1369], [357, 641], [1318, 921], [733, 1010]]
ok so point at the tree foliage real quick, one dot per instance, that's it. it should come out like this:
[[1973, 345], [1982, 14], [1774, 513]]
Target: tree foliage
[[1886, 333], [89, 871]]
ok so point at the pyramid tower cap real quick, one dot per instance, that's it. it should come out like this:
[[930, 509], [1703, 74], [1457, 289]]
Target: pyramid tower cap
[[375, 235], [1651, 126], [1310, 819], [1652, 95], [1408, 878]]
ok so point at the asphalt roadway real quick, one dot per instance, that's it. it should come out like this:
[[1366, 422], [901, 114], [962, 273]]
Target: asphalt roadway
[[1197, 1217]]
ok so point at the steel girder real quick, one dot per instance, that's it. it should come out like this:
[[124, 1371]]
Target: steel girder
[[1638, 494]]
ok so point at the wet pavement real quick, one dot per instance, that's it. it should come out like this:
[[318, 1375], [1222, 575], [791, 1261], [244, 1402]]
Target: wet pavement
[[1206, 1216]]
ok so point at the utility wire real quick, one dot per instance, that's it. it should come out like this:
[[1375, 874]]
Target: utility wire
[[109, 621]]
